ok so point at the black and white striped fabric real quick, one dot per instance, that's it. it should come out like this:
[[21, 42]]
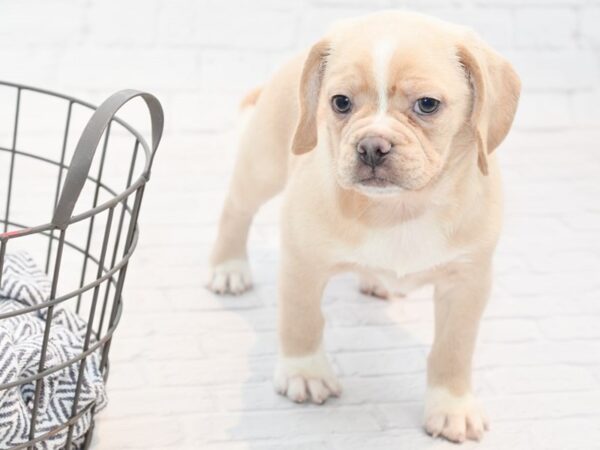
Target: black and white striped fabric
[[21, 336]]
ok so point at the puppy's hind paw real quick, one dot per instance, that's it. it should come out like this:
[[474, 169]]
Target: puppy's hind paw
[[230, 277]]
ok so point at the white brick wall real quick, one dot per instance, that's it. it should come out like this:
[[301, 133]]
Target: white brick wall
[[211, 50], [192, 371]]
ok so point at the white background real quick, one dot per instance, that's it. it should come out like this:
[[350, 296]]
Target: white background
[[200, 55], [191, 371]]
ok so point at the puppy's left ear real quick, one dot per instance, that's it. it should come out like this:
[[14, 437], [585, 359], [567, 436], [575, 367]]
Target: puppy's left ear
[[496, 89], [305, 137]]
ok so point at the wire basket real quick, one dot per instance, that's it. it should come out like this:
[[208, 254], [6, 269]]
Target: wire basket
[[84, 254]]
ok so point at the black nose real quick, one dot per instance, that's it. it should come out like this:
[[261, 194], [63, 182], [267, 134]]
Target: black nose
[[373, 150]]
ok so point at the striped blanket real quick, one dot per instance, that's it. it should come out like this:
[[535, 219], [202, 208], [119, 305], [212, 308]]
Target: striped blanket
[[21, 336]]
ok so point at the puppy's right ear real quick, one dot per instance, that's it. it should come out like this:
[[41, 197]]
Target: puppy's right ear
[[305, 137]]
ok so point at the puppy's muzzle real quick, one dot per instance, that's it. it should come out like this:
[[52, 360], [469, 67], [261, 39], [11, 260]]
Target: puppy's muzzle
[[372, 151]]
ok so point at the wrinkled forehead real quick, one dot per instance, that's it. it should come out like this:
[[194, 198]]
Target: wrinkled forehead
[[410, 60]]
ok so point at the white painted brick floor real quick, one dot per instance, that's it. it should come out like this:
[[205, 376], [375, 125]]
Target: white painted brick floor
[[192, 371]]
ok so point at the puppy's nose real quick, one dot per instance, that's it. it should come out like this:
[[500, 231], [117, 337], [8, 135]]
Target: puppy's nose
[[373, 150]]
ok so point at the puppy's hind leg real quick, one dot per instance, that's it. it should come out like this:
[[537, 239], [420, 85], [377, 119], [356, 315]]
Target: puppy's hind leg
[[259, 174]]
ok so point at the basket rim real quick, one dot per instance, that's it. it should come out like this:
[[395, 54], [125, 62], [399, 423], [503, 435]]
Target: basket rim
[[115, 200]]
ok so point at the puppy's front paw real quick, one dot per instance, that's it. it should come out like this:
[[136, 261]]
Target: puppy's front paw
[[306, 378], [456, 418], [230, 277]]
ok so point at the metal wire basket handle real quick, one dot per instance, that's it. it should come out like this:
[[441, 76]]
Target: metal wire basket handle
[[88, 143]]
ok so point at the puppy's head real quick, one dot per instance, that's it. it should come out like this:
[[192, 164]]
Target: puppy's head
[[393, 94]]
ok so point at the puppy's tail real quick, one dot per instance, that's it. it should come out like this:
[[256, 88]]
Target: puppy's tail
[[247, 108], [250, 99]]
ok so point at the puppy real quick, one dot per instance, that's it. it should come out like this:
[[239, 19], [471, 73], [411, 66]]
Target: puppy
[[382, 135]]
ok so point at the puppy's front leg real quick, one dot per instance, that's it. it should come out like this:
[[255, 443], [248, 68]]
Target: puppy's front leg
[[460, 297], [303, 370]]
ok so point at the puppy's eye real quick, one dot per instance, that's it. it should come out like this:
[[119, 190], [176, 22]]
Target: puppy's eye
[[341, 104], [426, 105]]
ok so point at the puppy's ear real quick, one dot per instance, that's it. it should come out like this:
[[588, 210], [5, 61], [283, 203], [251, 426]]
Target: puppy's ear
[[305, 137], [496, 88]]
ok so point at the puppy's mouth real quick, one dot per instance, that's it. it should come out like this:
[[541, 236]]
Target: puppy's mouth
[[377, 185], [375, 181]]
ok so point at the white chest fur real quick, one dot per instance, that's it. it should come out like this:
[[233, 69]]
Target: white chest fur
[[411, 247]]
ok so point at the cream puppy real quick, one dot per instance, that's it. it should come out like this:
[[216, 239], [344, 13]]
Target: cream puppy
[[382, 136]]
